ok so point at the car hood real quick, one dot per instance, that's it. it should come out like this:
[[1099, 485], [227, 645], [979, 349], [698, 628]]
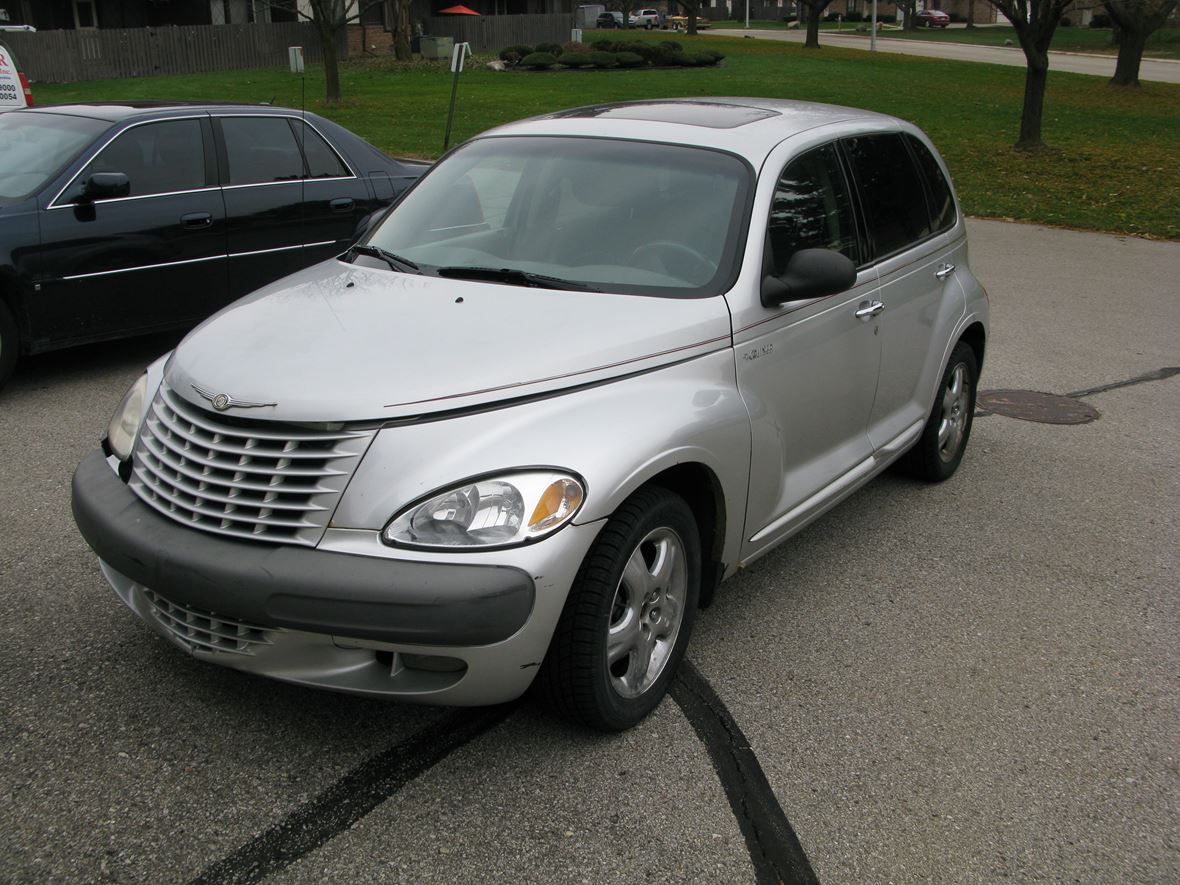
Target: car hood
[[340, 342]]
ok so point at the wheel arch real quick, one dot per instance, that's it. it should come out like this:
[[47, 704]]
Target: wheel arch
[[701, 489], [975, 337]]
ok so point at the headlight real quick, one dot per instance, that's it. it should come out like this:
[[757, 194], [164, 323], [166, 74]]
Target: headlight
[[500, 511], [125, 423]]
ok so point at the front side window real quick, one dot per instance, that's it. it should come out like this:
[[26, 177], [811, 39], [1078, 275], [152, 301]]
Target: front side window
[[891, 191], [620, 216], [157, 158], [811, 209], [261, 150]]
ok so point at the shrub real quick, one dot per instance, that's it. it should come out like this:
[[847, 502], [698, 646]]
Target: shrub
[[717, 56], [630, 60], [538, 61], [575, 46], [699, 59], [603, 59], [668, 58], [552, 48], [1066, 21], [1100, 20], [645, 51], [603, 46], [671, 45], [575, 59], [854, 17], [511, 55]]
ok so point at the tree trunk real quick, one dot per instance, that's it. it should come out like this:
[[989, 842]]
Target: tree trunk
[[331, 67], [400, 20], [692, 22], [812, 41], [1126, 69], [1035, 79], [970, 13]]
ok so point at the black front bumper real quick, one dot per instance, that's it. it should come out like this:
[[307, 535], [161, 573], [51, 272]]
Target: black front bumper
[[300, 588]]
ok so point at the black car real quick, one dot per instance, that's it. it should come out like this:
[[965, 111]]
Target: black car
[[608, 20], [124, 218]]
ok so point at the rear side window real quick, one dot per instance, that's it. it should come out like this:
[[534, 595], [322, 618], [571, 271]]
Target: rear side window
[[322, 161], [157, 158], [942, 204], [811, 209], [891, 191], [261, 149]]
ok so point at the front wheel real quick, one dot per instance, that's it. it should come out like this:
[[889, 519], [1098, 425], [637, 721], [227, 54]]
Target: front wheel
[[938, 452], [628, 617]]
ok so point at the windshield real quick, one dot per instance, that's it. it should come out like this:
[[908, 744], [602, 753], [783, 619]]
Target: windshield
[[36, 146], [605, 214]]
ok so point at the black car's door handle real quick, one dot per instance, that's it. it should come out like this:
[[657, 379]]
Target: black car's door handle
[[196, 220], [344, 204]]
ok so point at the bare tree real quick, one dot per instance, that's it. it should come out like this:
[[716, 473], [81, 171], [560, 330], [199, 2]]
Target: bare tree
[[331, 19], [970, 13], [1135, 21], [909, 9], [692, 9], [397, 18], [1034, 22], [815, 12]]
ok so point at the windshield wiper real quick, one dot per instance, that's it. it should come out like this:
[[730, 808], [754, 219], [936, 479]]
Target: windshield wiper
[[396, 262], [513, 277]]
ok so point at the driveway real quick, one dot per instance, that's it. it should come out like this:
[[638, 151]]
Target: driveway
[[970, 682], [1160, 70]]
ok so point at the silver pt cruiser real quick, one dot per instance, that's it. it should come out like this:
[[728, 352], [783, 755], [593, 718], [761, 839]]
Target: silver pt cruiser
[[591, 365]]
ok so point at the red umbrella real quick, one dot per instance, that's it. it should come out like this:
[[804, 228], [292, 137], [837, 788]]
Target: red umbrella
[[457, 10]]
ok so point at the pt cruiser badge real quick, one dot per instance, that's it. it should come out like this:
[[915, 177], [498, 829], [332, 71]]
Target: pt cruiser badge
[[634, 347]]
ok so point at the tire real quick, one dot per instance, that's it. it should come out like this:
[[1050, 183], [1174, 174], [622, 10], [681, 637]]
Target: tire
[[936, 455], [644, 565], [9, 343]]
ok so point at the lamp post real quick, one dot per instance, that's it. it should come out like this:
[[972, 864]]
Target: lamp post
[[873, 36], [747, 15]]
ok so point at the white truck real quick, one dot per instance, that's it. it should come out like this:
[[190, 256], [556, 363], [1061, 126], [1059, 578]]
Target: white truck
[[14, 86]]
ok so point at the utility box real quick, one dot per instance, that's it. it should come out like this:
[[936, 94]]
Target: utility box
[[437, 47]]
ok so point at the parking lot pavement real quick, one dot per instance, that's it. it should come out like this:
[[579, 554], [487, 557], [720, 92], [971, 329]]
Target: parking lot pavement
[[967, 682]]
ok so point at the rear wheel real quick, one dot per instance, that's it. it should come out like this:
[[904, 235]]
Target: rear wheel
[[628, 617], [9, 343], [938, 452]]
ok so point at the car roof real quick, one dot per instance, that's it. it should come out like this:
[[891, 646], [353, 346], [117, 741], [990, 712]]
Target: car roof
[[749, 127], [118, 111]]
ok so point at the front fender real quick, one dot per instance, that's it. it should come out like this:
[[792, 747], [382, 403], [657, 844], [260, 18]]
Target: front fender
[[616, 436]]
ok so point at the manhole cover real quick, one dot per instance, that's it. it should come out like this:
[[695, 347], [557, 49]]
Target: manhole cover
[[1032, 405]]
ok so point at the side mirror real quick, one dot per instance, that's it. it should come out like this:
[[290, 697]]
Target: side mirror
[[811, 273], [105, 186]]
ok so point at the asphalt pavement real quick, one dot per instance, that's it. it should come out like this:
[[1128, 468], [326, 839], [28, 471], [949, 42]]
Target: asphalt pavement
[[966, 682], [1151, 69]]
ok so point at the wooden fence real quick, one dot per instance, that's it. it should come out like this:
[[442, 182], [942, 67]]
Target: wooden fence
[[486, 32], [70, 56]]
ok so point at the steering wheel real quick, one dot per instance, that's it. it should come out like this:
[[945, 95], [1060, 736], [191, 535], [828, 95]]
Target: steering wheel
[[674, 259]]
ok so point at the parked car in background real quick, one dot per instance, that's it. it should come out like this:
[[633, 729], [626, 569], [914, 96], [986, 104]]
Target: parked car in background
[[608, 20], [646, 18], [590, 365], [680, 23], [123, 218], [14, 85], [933, 18]]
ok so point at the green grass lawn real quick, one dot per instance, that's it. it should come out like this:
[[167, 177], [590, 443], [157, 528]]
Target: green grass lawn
[[1164, 43], [1115, 167]]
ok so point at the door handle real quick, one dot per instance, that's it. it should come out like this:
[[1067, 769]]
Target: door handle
[[871, 310], [344, 204], [945, 271], [196, 220]]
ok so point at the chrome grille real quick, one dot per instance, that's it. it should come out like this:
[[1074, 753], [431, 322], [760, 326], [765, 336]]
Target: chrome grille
[[205, 631], [242, 477]]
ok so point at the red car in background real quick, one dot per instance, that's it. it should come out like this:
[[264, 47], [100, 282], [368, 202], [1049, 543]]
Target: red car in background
[[933, 18]]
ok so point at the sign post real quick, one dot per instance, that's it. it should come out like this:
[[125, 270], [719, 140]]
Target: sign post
[[458, 56]]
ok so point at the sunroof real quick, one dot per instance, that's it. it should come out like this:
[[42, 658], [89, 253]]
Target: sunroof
[[710, 114]]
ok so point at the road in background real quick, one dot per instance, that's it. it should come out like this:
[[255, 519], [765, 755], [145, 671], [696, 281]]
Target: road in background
[[1151, 69], [967, 682]]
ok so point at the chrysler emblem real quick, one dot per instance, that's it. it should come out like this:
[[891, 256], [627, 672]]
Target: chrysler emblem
[[223, 401]]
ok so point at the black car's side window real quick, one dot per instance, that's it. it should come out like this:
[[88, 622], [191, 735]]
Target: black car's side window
[[157, 158], [942, 205], [261, 149], [322, 161], [811, 209], [891, 191]]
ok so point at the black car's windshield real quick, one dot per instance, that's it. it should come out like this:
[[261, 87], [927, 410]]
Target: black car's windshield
[[592, 213], [35, 146]]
